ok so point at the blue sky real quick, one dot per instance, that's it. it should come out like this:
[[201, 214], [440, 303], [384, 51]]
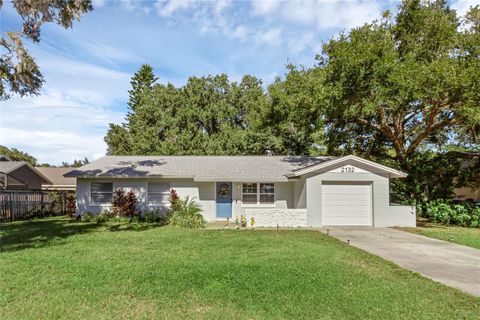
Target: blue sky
[[87, 69]]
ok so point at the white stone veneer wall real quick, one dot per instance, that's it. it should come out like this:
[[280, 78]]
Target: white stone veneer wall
[[270, 217]]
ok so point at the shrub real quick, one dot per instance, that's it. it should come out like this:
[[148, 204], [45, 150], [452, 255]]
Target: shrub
[[464, 215], [87, 216], [439, 211], [154, 216], [124, 204], [130, 207], [118, 201], [71, 204], [103, 216], [56, 202], [187, 214]]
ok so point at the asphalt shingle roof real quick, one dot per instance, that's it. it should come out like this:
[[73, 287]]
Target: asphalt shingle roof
[[200, 168], [9, 166], [55, 174]]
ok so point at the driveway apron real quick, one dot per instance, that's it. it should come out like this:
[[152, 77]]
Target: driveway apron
[[448, 263]]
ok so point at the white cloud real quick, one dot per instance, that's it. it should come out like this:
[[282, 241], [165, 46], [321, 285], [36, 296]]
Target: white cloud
[[240, 32], [271, 37], [304, 12], [70, 117], [168, 8], [462, 6], [331, 14], [53, 147], [299, 44], [220, 6], [109, 53], [99, 3], [264, 7], [128, 5]]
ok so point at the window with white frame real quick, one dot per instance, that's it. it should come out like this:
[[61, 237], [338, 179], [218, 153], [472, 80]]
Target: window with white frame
[[249, 193], [258, 193], [101, 192], [158, 193], [267, 193]]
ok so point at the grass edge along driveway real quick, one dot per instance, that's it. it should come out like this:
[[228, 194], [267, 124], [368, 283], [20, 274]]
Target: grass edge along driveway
[[54, 269], [460, 235]]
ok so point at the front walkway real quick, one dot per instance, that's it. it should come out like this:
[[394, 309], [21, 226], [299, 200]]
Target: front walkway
[[451, 264]]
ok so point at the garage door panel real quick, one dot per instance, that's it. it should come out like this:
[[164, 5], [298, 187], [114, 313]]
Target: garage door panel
[[346, 204]]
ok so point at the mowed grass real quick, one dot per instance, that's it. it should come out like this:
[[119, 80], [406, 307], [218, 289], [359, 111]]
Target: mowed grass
[[465, 236], [53, 269]]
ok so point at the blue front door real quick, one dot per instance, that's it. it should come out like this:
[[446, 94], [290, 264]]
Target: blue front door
[[224, 199]]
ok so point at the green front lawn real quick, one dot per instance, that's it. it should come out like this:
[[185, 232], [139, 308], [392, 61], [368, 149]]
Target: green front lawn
[[465, 236], [52, 269]]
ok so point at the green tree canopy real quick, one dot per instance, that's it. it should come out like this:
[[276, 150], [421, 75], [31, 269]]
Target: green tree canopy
[[295, 112], [76, 163], [208, 115], [402, 90], [403, 82], [17, 155]]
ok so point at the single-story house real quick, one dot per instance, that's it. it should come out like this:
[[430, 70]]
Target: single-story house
[[20, 175], [274, 190], [58, 181]]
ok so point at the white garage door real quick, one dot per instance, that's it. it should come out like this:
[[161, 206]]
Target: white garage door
[[346, 204]]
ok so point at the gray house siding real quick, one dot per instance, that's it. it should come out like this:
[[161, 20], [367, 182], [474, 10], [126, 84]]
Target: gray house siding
[[202, 192], [383, 214]]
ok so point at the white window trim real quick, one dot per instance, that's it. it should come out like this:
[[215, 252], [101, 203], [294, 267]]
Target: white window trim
[[104, 204], [258, 204], [147, 201]]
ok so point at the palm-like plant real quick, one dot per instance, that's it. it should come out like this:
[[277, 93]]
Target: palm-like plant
[[187, 214], [189, 206]]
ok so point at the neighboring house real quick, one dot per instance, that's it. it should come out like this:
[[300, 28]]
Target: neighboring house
[[58, 181], [469, 160], [20, 175], [284, 191]]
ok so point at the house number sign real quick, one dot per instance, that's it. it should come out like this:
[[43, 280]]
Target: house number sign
[[347, 169]]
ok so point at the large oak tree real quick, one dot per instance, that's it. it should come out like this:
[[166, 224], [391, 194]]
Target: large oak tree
[[403, 82]]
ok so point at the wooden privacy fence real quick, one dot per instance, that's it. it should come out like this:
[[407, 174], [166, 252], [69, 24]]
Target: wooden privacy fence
[[26, 204]]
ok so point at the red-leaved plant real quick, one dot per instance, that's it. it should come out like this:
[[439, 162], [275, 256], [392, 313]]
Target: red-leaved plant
[[130, 206], [174, 200], [71, 204], [124, 203]]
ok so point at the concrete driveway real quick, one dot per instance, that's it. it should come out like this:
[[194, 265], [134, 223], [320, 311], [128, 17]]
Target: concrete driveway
[[451, 264]]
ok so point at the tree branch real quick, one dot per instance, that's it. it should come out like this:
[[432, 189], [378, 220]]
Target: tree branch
[[432, 127]]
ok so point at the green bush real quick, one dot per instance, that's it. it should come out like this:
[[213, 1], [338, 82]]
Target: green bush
[[103, 216], [475, 218], [464, 215], [154, 216], [87, 216], [187, 215]]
